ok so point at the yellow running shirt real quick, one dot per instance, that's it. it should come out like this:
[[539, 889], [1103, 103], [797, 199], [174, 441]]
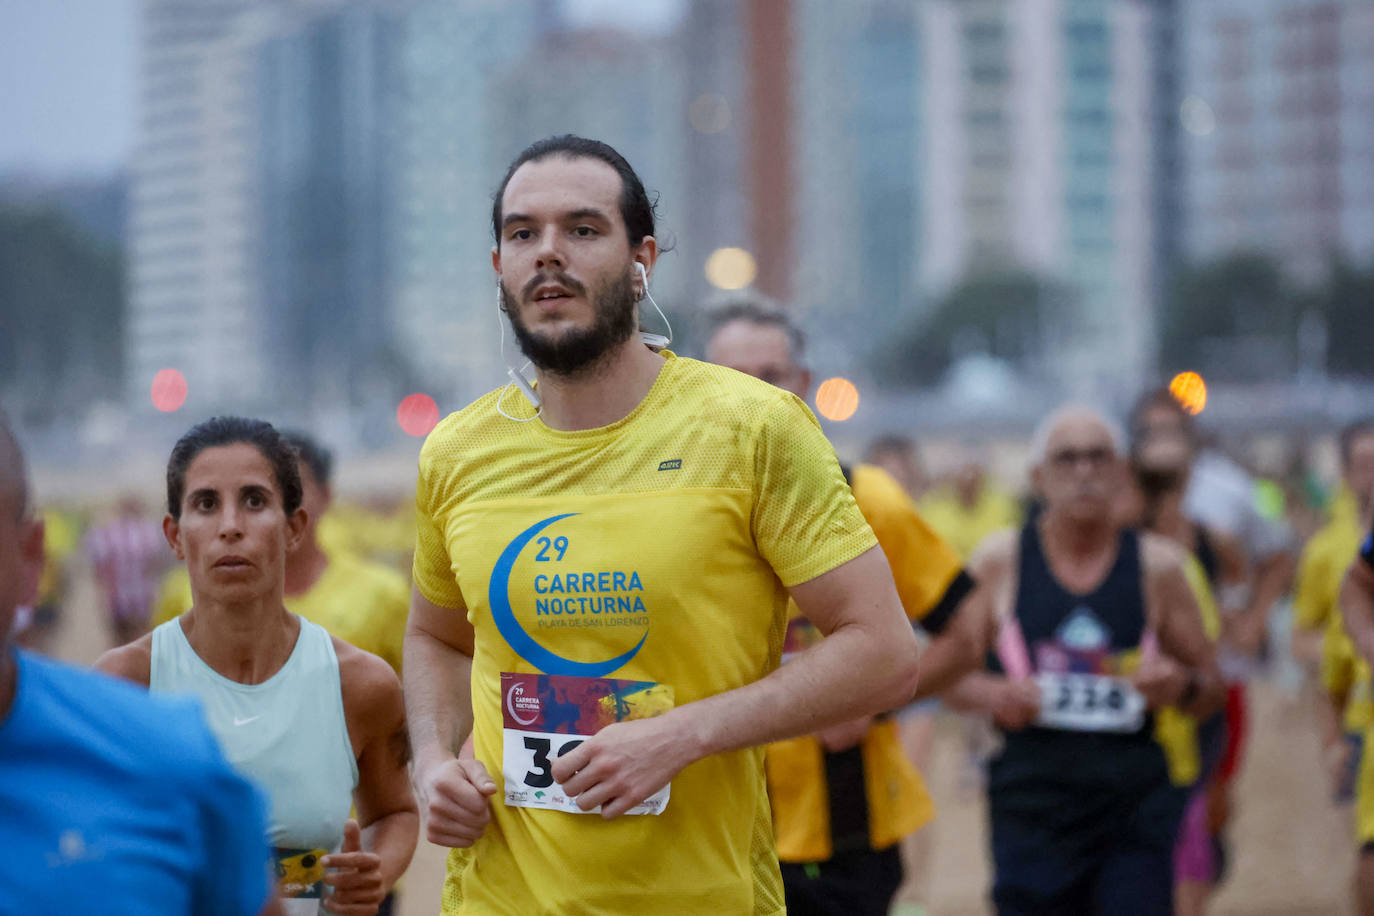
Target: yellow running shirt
[[1316, 606], [364, 604], [652, 554]]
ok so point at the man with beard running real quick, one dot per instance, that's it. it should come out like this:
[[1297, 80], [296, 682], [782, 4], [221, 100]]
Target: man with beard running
[[603, 564], [1098, 629]]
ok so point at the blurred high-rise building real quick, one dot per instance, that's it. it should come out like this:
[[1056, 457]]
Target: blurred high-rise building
[[945, 140], [327, 85], [446, 165], [1278, 118], [193, 302]]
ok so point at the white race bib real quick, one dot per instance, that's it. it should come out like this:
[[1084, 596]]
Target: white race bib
[[1089, 703], [534, 705]]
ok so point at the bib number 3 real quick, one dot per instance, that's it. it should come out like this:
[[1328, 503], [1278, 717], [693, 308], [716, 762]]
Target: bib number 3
[[1089, 703], [527, 769]]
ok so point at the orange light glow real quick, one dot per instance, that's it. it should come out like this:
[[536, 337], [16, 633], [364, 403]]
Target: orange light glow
[[837, 399], [417, 414], [169, 390], [1190, 391]]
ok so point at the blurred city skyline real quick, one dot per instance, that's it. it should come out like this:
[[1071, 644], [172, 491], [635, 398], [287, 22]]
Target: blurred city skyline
[[985, 202]]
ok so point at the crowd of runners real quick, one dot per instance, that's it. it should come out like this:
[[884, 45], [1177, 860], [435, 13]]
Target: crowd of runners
[[658, 649]]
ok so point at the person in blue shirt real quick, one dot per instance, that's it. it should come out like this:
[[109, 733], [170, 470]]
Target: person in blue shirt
[[110, 800]]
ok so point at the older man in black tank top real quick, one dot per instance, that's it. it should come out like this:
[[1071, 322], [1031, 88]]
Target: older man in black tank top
[[1098, 628]]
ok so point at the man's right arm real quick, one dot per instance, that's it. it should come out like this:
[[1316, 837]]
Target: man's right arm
[[439, 645]]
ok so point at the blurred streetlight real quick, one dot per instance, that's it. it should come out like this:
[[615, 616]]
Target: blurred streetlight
[[169, 390], [417, 414], [731, 268], [1190, 391], [837, 399]]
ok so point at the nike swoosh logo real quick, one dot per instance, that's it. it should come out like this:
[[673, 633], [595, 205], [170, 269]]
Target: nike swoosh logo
[[238, 721]]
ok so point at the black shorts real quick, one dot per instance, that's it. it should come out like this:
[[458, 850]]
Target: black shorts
[[860, 883], [1117, 859]]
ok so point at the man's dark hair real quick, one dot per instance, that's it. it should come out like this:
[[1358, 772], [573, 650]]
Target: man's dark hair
[[14, 480], [760, 311], [1352, 433], [218, 431], [636, 210], [313, 455]]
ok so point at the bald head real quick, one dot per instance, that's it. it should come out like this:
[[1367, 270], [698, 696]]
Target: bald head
[[14, 488], [1076, 418], [1078, 469]]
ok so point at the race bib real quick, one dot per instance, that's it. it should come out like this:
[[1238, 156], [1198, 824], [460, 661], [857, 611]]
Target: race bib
[[546, 716], [1089, 703]]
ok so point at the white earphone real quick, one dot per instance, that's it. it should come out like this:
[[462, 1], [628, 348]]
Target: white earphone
[[652, 340]]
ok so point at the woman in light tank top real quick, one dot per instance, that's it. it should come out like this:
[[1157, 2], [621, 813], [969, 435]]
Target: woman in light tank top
[[317, 723]]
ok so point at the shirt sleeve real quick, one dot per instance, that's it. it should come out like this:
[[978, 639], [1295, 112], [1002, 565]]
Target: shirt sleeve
[[433, 570], [805, 521], [925, 568], [234, 878]]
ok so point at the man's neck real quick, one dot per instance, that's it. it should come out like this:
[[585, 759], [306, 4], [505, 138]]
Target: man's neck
[[1080, 552], [245, 642], [1168, 520], [304, 566], [602, 395]]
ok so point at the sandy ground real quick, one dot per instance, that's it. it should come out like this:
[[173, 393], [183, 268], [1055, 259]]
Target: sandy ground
[[1290, 847]]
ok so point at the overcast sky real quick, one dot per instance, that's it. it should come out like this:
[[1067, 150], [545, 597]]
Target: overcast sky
[[68, 90], [67, 86]]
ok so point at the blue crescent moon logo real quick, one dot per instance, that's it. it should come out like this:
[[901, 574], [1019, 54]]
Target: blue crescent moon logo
[[498, 596]]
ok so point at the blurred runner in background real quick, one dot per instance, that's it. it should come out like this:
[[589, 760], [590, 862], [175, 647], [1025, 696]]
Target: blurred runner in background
[[127, 554], [1160, 463], [844, 799], [1357, 607], [1099, 629]]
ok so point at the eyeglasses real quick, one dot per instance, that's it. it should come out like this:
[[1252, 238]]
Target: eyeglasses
[[1095, 457]]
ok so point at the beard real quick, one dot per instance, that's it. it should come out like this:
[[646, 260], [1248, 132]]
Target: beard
[[580, 349]]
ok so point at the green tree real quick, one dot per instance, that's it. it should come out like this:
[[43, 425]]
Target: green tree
[[1009, 316], [61, 313], [1345, 303], [1220, 315]]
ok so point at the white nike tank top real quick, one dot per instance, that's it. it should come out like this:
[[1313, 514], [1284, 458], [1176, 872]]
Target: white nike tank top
[[289, 735]]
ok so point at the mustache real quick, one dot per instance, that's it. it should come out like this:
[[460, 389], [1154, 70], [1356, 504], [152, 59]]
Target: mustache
[[558, 277]]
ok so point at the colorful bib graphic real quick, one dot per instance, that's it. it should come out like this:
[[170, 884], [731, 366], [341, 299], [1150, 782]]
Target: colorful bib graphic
[[300, 872], [546, 716], [563, 596]]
